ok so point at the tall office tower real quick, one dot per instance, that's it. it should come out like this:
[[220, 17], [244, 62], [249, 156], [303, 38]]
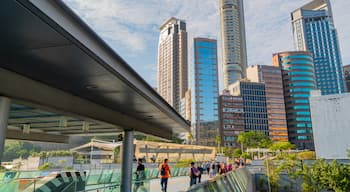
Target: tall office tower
[[272, 77], [346, 69], [205, 118], [234, 53], [231, 118], [314, 31], [254, 104], [172, 62], [186, 106], [298, 80]]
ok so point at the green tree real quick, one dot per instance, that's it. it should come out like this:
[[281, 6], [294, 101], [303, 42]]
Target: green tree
[[282, 145], [176, 139], [190, 137], [237, 153], [306, 155], [254, 139], [218, 142]]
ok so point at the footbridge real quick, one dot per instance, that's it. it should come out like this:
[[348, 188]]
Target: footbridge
[[58, 78]]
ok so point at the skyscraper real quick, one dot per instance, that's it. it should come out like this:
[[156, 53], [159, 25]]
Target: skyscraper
[[314, 31], [172, 62], [298, 80], [234, 52], [347, 76], [205, 118], [272, 77]]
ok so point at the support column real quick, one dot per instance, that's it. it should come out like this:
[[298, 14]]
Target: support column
[[127, 161], [4, 113]]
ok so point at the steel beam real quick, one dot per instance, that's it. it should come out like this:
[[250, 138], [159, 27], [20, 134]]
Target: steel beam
[[36, 136], [128, 154], [4, 113]]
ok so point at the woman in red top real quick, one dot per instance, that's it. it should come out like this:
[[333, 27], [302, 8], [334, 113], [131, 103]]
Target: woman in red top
[[164, 171]]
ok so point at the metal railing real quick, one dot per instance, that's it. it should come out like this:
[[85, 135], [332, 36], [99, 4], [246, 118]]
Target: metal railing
[[92, 180], [235, 181]]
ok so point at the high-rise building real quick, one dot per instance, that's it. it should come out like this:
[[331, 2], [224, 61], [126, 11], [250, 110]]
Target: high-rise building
[[272, 77], [231, 115], [234, 54], [314, 31], [205, 117], [346, 69], [254, 104], [298, 80], [172, 62], [186, 106]]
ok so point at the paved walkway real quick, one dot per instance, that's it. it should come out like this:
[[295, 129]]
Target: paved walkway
[[175, 184]]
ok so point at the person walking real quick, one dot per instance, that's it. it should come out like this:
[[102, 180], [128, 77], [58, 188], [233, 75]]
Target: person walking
[[193, 172], [212, 170], [222, 169], [140, 174], [201, 171], [165, 173], [207, 166]]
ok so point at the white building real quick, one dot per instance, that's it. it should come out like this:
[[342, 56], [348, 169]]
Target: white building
[[234, 53], [331, 124]]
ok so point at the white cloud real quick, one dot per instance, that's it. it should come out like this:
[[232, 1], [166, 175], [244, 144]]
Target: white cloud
[[131, 27]]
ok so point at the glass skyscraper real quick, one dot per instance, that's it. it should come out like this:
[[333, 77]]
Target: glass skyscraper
[[205, 118], [298, 80], [314, 31]]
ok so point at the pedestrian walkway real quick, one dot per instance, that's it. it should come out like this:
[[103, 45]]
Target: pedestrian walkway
[[175, 184]]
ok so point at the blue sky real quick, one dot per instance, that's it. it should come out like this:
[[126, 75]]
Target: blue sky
[[131, 27]]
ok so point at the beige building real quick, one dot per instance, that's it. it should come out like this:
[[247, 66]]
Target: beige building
[[186, 104], [233, 41], [158, 151], [172, 62], [272, 77]]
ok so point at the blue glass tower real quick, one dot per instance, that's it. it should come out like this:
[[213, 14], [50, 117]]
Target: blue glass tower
[[314, 31], [298, 80], [205, 91]]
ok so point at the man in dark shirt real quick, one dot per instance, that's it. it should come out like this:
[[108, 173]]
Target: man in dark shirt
[[140, 174]]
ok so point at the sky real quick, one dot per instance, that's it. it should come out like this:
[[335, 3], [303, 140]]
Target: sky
[[131, 27]]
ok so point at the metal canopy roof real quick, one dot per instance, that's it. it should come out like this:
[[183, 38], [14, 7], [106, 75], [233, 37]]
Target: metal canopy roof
[[53, 66]]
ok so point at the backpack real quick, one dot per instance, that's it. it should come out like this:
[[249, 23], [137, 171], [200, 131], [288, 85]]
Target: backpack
[[162, 171]]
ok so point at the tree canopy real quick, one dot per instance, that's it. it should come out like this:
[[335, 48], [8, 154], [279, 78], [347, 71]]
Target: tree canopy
[[254, 139], [282, 145], [15, 149]]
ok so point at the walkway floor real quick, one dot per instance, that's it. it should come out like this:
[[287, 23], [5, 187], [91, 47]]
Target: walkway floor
[[175, 184]]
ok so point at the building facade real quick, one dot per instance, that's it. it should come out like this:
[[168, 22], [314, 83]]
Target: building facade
[[172, 62], [205, 117], [298, 80], [330, 120], [314, 31], [346, 69], [233, 39], [272, 77], [231, 115], [254, 104]]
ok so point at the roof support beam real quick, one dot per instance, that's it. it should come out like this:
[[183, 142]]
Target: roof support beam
[[33, 93], [36, 136]]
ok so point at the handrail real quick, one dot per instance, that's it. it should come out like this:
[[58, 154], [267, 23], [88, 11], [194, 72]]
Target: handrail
[[237, 181]]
